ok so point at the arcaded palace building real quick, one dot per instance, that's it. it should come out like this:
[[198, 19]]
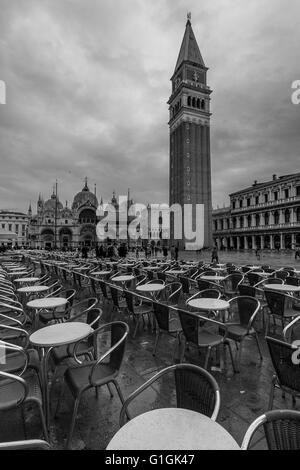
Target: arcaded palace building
[[189, 107], [264, 215], [17, 223]]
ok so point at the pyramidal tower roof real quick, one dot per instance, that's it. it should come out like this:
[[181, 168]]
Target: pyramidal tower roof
[[189, 50]]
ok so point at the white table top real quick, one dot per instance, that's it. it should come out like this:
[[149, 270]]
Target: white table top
[[172, 428], [283, 287], [17, 268], [150, 287], [176, 271], [59, 334], [209, 304], [100, 273], [123, 278], [254, 267], [27, 279], [18, 273], [150, 268], [49, 302], [213, 278], [32, 289]]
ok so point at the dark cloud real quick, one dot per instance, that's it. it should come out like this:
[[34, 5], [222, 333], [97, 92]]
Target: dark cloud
[[87, 86]]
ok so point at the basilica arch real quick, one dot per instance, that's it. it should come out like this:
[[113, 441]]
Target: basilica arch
[[47, 238]]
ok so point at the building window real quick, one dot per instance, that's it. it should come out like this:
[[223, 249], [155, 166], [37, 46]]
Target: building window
[[9, 227], [257, 200], [242, 222], [248, 202], [241, 203], [298, 191], [287, 215], [286, 193], [257, 220], [216, 225], [234, 222], [267, 218], [276, 218], [249, 218], [298, 214], [66, 221], [266, 197], [17, 227], [3, 225], [276, 196], [233, 204]]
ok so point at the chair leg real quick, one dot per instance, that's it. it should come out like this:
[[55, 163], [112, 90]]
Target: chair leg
[[183, 347], [271, 399], [239, 358], [136, 327], [117, 387], [75, 409], [207, 357], [231, 356], [156, 342], [59, 401], [43, 421], [258, 346], [110, 390]]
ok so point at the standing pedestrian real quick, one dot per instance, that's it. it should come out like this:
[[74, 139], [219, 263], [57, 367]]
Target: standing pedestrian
[[214, 255]]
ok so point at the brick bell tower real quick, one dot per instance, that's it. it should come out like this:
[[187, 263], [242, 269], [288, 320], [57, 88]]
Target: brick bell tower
[[189, 106]]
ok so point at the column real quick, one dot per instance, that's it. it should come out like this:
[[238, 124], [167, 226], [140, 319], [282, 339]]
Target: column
[[231, 242], [262, 242], [281, 241], [246, 243], [254, 242], [238, 243], [272, 242], [293, 241]]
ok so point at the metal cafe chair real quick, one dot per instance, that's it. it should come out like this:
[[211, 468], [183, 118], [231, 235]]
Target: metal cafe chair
[[30, 444], [102, 371], [281, 430], [287, 372], [196, 389], [167, 322]]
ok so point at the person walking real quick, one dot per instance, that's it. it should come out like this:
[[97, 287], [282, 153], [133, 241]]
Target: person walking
[[214, 255]]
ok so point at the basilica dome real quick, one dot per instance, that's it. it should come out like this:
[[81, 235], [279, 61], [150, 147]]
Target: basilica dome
[[49, 205], [85, 197]]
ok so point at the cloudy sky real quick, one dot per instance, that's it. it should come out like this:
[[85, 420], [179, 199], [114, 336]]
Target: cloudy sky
[[88, 81]]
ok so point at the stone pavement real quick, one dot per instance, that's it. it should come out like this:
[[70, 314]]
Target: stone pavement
[[244, 396]]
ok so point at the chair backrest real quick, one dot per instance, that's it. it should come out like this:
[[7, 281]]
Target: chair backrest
[[172, 292], [276, 302], [292, 281], [196, 390], [161, 313], [281, 429], [292, 331], [115, 295], [253, 278], [249, 291], [190, 325], [113, 357], [203, 285], [245, 307], [185, 284], [282, 275], [288, 372]]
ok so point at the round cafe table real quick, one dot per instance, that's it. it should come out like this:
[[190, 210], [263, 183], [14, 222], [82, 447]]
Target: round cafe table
[[32, 289], [47, 303], [150, 288], [172, 428], [213, 278], [285, 288], [123, 279], [101, 273], [176, 272], [209, 305], [27, 280], [52, 336]]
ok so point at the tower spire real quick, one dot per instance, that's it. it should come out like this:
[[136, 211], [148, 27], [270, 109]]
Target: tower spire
[[189, 51]]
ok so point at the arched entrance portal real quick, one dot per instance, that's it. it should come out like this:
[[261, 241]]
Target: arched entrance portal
[[47, 238], [65, 238], [87, 236]]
